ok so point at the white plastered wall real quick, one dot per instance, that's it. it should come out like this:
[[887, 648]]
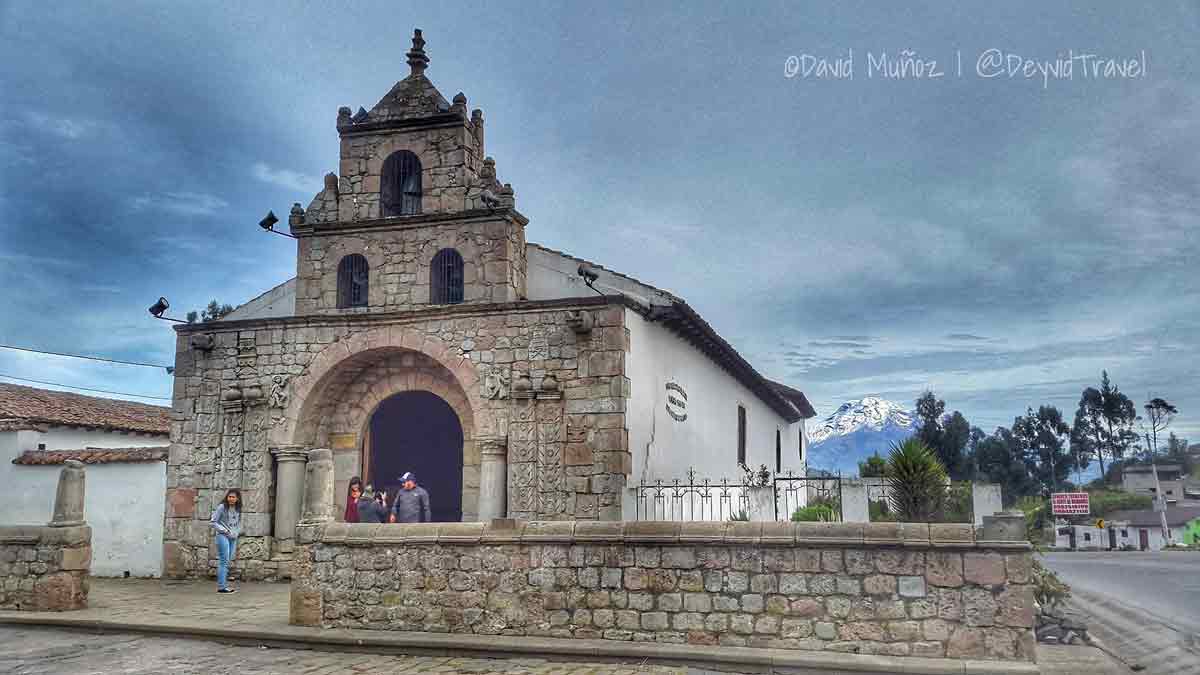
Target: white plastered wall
[[706, 441], [124, 502]]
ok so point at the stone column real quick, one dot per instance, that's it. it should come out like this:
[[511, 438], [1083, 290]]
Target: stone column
[[289, 489], [493, 479], [68, 501], [318, 487]]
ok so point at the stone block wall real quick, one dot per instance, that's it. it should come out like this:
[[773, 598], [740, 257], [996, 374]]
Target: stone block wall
[[44, 568], [492, 245], [886, 588]]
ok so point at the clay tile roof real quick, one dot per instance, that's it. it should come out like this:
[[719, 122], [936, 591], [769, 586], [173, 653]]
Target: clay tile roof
[[93, 455], [20, 405]]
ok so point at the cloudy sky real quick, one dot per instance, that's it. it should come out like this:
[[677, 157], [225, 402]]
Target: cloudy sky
[[997, 239]]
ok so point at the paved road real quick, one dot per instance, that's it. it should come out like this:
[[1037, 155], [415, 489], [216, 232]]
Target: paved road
[[1145, 606], [47, 651]]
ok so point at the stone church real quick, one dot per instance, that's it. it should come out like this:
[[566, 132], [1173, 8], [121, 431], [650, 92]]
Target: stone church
[[423, 333]]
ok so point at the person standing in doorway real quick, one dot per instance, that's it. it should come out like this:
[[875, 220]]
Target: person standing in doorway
[[412, 502], [371, 508], [227, 521], [353, 494]]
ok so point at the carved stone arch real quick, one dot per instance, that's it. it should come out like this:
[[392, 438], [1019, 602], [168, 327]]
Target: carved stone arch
[[307, 388]]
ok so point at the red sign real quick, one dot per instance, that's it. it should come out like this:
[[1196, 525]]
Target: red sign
[[1070, 504]]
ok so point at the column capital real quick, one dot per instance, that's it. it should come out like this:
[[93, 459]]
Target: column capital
[[493, 446], [290, 453]]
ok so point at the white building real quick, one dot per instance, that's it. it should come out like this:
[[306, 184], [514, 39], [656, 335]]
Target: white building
[[124, 445]]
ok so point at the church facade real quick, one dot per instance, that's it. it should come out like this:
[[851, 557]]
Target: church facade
[[423, 333]]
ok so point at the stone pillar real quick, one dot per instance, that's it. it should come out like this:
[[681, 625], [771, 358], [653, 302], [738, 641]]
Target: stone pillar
[[318, 487], [493, 479], [986, 499], [68, 501], [855, 508], [289, 489]]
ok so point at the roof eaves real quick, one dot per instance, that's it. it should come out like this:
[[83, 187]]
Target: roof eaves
[[686, 322]]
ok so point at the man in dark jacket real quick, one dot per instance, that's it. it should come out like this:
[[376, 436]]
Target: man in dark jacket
[[371, 507], [412, 502]]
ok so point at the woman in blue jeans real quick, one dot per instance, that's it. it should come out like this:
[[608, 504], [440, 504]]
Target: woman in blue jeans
[[227, 521]]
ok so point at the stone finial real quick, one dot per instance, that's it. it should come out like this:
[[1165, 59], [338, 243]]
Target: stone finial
[[296, 217], [417, 60], [331, 182], [477, 116], [68, 501], [343, 119]]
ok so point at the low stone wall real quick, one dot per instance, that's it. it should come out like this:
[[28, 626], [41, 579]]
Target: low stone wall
[[876, 588], [44, 568]]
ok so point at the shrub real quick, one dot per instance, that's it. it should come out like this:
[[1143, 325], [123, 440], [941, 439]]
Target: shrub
[[820, 510], [1104, 502], [1048, 589], [916, 481], [878, 509], [1037, 519], [817, 513], [740, 516], [760, 478]]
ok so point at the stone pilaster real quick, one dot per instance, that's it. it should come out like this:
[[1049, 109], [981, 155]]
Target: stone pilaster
[[289, 489], [493, 479]]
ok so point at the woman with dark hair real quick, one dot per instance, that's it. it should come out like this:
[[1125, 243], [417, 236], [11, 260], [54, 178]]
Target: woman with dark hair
[[353, 494], [227, 521]]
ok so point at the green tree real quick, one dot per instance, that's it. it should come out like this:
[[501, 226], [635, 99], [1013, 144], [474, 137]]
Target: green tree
[[214, 311], [1000, 460], [946, 435], [1103, 424], [1159, 414], [872, 467], [916, 481], [1040, 439]]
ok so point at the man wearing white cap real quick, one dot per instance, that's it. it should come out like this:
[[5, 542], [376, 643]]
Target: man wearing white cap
[[412, 502]]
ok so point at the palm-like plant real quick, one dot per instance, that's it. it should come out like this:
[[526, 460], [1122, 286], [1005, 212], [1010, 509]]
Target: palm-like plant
[[916, 481]]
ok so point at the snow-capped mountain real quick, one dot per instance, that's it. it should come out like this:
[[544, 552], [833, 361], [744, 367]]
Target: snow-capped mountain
[[857, 430]]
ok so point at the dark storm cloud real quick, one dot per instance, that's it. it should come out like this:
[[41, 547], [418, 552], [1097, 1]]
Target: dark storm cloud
[[997, 240]]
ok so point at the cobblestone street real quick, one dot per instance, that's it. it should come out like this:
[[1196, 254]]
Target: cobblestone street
[[37, 651]]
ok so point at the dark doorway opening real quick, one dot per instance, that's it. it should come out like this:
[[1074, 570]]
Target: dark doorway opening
[[418, 431]]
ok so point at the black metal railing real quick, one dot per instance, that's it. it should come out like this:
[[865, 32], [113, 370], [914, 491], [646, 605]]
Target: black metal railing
[[777, 498]]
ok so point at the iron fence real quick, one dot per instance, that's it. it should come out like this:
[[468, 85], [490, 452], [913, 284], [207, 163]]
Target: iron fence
[[693, 498], [816, 489]]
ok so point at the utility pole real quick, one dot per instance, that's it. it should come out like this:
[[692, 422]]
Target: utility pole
[[1160, 500]]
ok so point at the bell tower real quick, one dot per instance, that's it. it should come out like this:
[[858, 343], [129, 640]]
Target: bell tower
[[416, 215]]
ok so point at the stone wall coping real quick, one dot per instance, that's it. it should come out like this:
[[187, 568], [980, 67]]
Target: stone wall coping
[[406, 316], [43, 534], [867, 535]]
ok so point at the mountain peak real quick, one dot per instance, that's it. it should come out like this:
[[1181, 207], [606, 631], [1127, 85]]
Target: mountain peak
[[867, 413], [857, 430]]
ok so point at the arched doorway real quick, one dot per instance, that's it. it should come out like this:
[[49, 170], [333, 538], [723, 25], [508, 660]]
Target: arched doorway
[[417, 431]]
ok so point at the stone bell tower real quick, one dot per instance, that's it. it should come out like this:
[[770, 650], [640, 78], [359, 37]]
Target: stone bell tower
[[417, 216]]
